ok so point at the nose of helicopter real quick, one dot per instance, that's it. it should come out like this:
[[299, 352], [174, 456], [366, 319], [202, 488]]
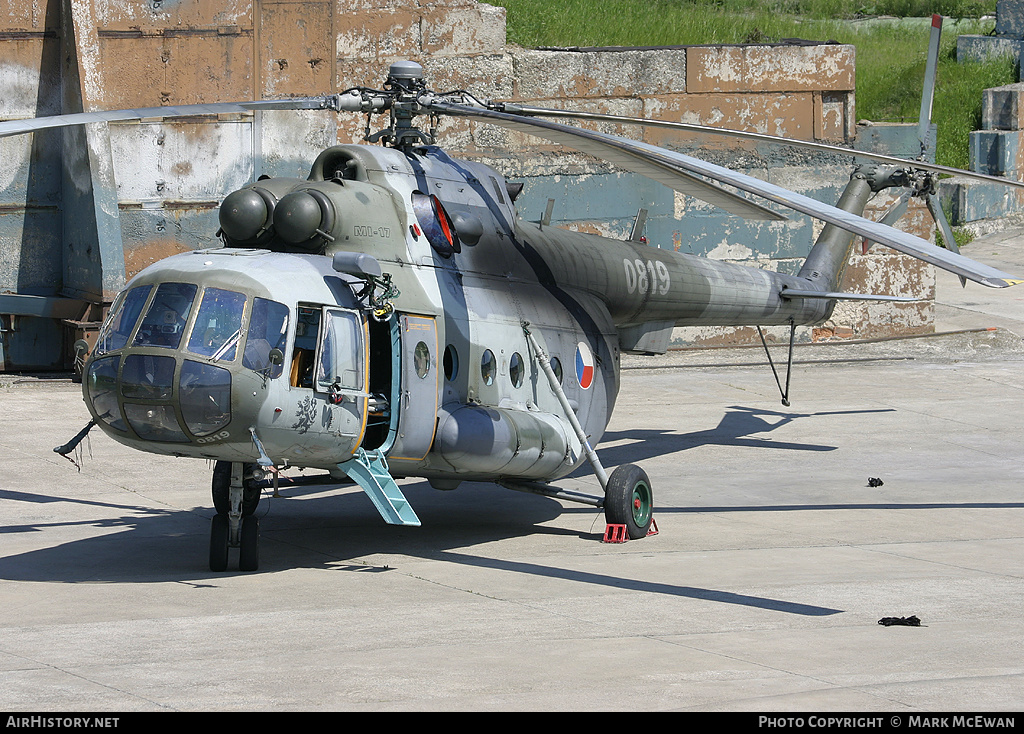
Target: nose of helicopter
[[182, 366], [166, 399]]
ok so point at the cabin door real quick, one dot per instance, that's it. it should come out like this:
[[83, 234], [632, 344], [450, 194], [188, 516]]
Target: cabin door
[[417, 403]]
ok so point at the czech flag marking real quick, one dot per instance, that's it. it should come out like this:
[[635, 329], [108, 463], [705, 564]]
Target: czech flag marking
[[584, 365]]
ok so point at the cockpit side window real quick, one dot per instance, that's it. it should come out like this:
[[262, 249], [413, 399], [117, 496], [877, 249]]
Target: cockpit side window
[[268, 330], [218, 326], [341, 354], [122, 319], [164, 322]]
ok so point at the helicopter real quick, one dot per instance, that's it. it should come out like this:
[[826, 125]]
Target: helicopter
[[392, 316]]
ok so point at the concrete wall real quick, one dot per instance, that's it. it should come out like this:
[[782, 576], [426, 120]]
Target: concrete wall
[[81, 211]]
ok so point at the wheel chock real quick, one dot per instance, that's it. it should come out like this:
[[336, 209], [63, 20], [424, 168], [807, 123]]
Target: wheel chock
[[615, 534], [618, 534]]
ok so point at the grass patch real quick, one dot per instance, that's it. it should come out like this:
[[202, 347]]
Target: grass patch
[[890, 57], [961, 237]]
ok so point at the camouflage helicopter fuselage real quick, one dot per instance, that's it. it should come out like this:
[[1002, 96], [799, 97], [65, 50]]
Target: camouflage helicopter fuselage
[[448, 386]]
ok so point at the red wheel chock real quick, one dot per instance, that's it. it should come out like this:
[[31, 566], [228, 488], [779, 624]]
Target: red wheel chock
[[615, 534], [618, 534]]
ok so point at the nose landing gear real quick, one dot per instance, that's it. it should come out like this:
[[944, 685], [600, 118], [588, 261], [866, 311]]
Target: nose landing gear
[[235, 497]]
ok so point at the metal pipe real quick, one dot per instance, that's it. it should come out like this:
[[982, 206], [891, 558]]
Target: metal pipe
[[545, 365]]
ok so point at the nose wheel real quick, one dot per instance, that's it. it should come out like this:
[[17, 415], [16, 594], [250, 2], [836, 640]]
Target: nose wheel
[[235, 498], [248, 543]]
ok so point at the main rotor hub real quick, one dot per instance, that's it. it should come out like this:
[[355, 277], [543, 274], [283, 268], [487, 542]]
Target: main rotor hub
[[406, 75]]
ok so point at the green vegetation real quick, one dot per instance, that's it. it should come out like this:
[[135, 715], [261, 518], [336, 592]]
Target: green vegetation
[[890, 55], [961, 237]]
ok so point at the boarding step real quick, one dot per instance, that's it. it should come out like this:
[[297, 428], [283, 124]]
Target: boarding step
[[370, 471]]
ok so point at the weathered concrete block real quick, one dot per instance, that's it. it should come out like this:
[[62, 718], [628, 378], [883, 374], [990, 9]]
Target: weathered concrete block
[[769, 68], [181, 161], [917, 220], [1010, 18], [345, 6], [297, 50], [598, 73], [476, 29], [378, 34], [152, 234], [987, 48], [31, 250], [789, 115], [996, 152], [894, 138], [30, 15], [967, 200], [887, 272], [1002, 108], [153, 71], [121, 16], [487, 75], [30, 78]]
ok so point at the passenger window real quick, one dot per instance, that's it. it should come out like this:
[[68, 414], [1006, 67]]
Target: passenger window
[[488, 367], [516, 370]]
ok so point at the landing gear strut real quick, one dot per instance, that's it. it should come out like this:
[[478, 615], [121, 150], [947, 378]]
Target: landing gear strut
[[235, 497]]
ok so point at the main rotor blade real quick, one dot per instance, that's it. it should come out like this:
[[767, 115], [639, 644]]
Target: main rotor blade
[[619, 152], [20, 127], [614, 148], [526, 110]]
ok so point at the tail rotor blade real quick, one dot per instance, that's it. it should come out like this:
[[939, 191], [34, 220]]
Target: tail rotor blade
[[894, 214], [935, 207], [924, 121]]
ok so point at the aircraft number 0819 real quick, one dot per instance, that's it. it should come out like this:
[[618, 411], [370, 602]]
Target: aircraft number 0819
[[642, 278]]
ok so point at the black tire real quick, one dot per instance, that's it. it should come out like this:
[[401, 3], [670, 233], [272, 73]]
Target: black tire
[[629, 500], [220, 536], [249, 544], [221, 489]]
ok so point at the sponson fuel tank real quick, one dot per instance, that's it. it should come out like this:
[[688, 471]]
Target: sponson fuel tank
[[492, 441]]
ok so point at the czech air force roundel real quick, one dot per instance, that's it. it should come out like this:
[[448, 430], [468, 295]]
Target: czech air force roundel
[[584, 365]]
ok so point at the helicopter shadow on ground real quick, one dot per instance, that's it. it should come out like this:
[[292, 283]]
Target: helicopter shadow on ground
[[739, 427], [325, 528]]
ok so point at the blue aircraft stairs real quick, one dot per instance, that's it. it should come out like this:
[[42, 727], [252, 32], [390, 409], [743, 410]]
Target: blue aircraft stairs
[[370, 471]]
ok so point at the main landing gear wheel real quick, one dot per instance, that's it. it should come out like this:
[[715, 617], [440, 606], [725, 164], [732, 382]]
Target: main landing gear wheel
[[629, 501]]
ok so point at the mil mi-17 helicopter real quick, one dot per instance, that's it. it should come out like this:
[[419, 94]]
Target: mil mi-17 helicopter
[[391, 316]]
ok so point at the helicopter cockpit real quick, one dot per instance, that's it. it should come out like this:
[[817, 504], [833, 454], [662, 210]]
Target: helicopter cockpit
[[194, 361]]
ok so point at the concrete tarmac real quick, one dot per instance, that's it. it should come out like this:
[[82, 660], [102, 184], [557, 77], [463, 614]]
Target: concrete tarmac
[[762, 591]]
